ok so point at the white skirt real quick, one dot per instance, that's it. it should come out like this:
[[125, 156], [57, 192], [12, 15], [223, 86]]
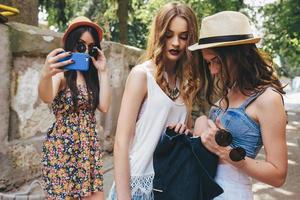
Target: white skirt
[[236, 184]]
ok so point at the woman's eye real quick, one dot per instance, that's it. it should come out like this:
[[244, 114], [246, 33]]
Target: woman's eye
[[184, 37], [169, 35]]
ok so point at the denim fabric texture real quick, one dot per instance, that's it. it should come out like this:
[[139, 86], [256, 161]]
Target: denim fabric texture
[[244, 130], [184, 169]]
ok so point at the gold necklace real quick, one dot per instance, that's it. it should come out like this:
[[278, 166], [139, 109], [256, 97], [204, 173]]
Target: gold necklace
[[173, 93]]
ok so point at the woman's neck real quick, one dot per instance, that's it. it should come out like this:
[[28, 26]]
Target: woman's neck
[[80, 79], [235, 98], [171, 77], [170, 69], [169, 66]]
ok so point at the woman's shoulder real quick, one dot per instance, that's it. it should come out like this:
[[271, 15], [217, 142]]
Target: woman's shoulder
[[270, 108], [137, 76], [144, 66], [137, 80], [270, 98], [142, 69]]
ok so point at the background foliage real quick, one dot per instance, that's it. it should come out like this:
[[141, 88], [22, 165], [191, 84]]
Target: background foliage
[[281, 26], [282, 34], [140, 14]]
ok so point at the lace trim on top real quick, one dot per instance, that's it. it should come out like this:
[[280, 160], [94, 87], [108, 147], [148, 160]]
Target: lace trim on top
[[141, 186]]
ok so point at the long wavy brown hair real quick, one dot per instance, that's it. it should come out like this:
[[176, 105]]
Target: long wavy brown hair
[[187, 70], [243, 67]]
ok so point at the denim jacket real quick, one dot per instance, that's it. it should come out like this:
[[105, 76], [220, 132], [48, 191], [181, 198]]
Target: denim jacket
[[184, 169]]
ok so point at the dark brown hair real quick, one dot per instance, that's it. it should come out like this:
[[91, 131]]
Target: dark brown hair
[[243, 67], [90, 76]]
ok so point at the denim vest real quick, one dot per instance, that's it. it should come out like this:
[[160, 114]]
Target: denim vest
[[245, 131]]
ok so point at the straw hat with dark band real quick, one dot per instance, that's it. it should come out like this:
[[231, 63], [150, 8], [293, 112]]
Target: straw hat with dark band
[[82, 21], [224, 29]]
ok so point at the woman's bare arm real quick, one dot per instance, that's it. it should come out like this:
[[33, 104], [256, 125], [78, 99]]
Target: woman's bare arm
[[134, 94]]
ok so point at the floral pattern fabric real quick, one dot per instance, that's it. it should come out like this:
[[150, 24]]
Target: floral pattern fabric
[[72, 157]]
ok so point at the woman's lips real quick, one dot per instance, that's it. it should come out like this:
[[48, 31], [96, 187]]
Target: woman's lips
[[174, 52]]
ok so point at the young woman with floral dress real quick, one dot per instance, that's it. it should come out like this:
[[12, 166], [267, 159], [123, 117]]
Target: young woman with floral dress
[[72, 156]]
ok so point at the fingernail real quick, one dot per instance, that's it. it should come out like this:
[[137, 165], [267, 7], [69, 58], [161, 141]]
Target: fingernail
[[72, 61]]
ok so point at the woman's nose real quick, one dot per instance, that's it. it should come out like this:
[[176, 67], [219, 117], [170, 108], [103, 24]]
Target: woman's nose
[[175, 41]]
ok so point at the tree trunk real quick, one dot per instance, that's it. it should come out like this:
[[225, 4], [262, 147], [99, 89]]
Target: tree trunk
[[122, 12], [28, 11]]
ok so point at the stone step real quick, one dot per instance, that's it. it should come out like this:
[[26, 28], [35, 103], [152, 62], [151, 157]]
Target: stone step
[[33, 192]]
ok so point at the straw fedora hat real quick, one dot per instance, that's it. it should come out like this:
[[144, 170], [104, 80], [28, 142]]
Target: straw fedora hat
[[224, 29], [82, 21]]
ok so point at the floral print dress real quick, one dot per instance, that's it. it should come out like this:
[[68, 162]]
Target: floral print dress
[[72, 158]]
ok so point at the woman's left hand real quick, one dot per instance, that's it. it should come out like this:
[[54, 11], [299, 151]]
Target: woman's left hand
[[100, 63], [209, 141], [179, 128]]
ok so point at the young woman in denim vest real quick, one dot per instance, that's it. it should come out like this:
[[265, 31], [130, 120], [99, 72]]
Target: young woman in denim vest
[[158, 92], [72, 156], [250, 107]]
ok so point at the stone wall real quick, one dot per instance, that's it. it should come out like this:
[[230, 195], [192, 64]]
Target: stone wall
[[24, 118], [28, 11]]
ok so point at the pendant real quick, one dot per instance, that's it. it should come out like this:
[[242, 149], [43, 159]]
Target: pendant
[[173, 93]]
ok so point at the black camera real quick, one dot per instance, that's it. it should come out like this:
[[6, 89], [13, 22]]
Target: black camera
[[224, 139]]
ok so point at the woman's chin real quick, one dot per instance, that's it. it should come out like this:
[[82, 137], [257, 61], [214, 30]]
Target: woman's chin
[[173, 58]]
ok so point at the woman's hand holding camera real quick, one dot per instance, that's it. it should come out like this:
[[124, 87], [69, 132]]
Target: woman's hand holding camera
[[52, 64], [217, 140], [207, 129]]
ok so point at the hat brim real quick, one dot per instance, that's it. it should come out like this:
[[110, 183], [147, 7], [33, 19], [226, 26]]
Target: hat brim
[[197, 46], [75, 25]]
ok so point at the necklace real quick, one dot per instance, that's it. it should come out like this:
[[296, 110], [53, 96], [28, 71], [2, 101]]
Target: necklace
[[173, 93]]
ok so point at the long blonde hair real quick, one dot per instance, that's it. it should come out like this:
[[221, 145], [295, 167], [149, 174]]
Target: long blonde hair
[[188, 66]]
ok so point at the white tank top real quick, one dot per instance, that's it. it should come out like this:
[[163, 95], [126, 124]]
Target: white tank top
[[157, 111]]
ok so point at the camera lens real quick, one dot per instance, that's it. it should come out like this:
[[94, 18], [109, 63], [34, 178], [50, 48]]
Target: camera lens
[[223, 138], [237, 154], [81, 48]]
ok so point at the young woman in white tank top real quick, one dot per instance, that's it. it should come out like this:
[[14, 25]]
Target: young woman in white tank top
[[158, 93]]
